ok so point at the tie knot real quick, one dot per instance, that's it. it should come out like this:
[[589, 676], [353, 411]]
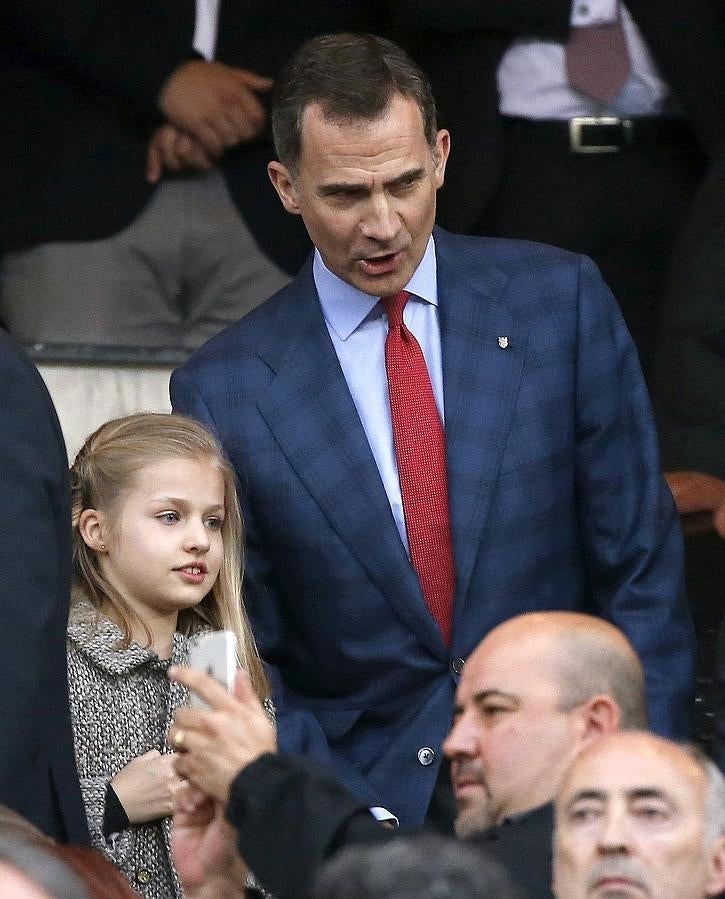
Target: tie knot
[[394, 305]]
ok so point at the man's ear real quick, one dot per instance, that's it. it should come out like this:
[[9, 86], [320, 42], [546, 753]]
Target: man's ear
[[285, 185], [440, 156], [600, 716], [716, 868], [92, 528]]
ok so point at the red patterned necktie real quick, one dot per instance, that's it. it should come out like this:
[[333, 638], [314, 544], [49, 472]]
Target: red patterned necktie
[[420, 448], [597, 60]]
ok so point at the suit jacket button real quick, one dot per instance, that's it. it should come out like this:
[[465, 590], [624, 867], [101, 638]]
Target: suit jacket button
[[426, 756], [457, 665], [143, 876]]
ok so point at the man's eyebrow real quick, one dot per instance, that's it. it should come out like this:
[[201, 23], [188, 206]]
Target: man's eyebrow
[[648, 793], [341, 187], [587, 794], [485, 695], [406, 177]]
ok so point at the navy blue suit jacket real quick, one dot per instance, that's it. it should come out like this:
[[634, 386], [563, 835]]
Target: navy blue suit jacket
[[555, 493], [38, 776]]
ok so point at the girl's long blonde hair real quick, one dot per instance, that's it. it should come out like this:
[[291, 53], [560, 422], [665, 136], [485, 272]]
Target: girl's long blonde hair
[[105, 468]]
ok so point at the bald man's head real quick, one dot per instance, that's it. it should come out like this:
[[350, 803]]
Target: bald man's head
[[638, 816], [537, 689]]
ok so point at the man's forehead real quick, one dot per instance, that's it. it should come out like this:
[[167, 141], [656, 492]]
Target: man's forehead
[[621, 770], [508, 666], [402, 115]]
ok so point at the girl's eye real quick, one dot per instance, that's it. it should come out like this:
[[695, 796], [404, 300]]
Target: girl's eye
[[214, 523], [168, 517]]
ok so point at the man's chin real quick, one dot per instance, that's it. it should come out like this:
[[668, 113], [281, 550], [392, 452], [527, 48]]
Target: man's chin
[[473, 818]]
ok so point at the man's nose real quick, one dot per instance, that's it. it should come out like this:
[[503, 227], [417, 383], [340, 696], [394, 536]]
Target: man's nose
[[614, 834], [381, 222], [461, 739]]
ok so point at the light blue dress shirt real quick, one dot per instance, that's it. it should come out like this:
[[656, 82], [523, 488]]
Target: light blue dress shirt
[[358, 327]]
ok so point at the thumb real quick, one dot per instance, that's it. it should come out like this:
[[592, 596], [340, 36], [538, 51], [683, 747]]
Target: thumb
[[151, 754], [243, 687]]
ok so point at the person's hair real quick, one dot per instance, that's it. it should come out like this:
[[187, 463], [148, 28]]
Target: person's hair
[[589, 663], [353, 78], [42, 868], [104, 470], [101, 878], [422, 867], [714, 809]]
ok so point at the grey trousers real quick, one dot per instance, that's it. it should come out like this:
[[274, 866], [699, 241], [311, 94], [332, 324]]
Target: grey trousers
[[184, 269]]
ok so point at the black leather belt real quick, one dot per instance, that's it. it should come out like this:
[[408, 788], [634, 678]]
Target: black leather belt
[[603, 134]]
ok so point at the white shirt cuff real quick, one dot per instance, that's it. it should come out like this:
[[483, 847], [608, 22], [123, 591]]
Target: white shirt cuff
[[382, 814], [592, 12]]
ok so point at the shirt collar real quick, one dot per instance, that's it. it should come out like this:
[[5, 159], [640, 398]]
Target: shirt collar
[[345, 307]]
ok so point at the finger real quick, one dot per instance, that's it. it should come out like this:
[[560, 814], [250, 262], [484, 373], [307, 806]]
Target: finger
[[247, 124], [167, 761], [192, 719], [230, 129], [207, 135], [252, 108], [173, 784], [154, 167], [187, 770], [243, 690], [256, 82], [173, 159], [195, 155], [191, 801], [718, 519], [215, 696], [190, 152]]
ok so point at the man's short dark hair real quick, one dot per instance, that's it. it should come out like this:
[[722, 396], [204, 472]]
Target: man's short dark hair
[[423, 867], [352, 77]]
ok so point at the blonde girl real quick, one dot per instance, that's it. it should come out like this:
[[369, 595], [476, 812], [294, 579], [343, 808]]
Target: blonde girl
[[157, 539]]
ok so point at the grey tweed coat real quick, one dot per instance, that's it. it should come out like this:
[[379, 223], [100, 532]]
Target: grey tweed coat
[[122, 705]]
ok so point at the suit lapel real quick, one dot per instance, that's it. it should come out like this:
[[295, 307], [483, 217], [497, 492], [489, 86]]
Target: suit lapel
[[483, 349], [325, 444]]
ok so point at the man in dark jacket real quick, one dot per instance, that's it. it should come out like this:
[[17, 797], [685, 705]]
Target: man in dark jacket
[[537, 690], [38, 776]]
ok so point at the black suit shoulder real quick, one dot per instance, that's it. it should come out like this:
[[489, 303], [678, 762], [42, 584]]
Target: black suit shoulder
[[523, 847]]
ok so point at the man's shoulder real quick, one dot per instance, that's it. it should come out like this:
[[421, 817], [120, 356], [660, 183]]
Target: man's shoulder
[[539, 820], [522, 844], [505, 253], [24, 390], [13, 360]]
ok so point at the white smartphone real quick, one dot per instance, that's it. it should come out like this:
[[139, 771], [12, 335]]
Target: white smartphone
[[214, 654]]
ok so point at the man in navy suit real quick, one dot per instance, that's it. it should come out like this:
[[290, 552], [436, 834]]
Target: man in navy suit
[[38, 775], [553, 483]]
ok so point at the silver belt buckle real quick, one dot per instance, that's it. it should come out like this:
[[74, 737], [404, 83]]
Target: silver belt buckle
[[577, 125]]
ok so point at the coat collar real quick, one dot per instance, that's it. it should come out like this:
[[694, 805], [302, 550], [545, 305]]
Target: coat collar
[[98, 638]]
